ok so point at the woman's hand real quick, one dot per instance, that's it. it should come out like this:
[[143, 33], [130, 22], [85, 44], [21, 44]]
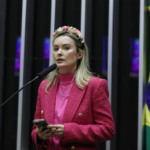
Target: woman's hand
[[43, 133], [57, 130]]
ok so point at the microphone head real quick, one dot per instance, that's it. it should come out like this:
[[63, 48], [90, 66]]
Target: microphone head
[[47, 70]]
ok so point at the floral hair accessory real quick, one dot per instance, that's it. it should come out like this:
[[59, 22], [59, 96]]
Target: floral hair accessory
[[71, 29]]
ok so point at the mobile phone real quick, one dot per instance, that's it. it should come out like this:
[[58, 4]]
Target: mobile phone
[[40, 122]]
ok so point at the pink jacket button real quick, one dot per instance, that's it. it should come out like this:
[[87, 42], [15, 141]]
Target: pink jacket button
[[42, 112], [80, 114], [72, 147]]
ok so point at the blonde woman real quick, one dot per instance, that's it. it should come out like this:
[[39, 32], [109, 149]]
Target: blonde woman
[[73, 102]]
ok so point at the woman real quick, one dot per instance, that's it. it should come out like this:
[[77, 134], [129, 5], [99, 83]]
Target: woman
[[73, 102]]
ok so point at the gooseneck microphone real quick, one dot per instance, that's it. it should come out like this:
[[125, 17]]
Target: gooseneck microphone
[[39, 75], [46, 71]]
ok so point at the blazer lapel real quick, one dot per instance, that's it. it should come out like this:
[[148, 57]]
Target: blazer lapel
[[50, 103], [73, 103]]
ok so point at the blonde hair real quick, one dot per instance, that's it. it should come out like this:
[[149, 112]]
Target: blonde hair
[[83, 75]]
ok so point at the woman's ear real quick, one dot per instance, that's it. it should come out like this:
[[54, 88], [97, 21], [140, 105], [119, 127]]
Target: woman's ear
[[80, 54]]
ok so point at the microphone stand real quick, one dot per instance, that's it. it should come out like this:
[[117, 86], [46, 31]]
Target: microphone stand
[[40, 75], [37, 77]]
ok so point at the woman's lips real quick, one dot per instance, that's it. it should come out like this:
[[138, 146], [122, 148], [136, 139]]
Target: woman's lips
[[60, 60]]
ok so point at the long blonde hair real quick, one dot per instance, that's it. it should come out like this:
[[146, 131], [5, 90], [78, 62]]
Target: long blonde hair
[[83, 75]]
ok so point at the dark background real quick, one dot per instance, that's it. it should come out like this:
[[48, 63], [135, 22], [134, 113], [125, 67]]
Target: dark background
[[125, 99]]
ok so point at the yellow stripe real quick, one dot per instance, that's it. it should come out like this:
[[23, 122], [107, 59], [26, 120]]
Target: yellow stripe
[[147, 113]]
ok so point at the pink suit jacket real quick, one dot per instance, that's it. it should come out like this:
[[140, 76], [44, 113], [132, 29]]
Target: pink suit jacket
[[87, 118]]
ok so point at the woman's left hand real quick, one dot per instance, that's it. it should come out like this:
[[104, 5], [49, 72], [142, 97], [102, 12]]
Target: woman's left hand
[[57, 130]]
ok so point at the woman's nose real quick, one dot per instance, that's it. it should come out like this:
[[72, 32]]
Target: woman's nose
[[59, 51]]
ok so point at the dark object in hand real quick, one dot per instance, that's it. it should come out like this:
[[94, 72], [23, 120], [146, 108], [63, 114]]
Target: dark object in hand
[[40, 122]]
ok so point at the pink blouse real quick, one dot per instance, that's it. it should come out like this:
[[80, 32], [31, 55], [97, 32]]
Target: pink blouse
[[65, 84]]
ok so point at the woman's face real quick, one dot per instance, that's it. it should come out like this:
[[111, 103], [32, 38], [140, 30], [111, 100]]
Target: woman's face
[[65, 54]]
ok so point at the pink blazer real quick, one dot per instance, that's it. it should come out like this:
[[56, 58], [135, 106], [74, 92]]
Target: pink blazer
[[87, 118]]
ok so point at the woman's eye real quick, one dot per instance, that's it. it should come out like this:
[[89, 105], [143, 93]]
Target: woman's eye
[[55, 48], [66, 48]]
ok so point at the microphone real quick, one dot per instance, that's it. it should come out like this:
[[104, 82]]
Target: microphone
[[46, 71], [39, 75]]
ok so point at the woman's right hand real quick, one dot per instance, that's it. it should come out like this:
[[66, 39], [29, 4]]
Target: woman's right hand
[[43, 133]]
